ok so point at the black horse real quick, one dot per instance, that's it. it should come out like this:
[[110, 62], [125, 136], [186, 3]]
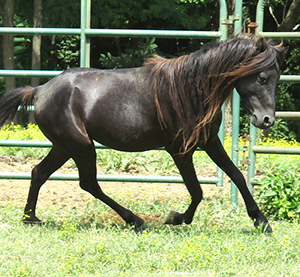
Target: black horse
[[171, 103]]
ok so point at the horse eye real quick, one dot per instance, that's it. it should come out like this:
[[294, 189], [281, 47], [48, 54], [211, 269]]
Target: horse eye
[[262, 79]]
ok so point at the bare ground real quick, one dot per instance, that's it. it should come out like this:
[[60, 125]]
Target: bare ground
[[68, 193]]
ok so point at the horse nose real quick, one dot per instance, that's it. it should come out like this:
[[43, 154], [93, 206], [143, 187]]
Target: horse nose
[[263, 121], [268, 121]]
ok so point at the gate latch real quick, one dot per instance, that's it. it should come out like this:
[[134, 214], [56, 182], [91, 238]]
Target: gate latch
[[251, 26], [231, 19], [245, 161]]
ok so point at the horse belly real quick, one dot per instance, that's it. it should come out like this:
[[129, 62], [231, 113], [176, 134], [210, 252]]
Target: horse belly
[[127, 136]]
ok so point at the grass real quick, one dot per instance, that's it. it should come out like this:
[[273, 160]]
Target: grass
[[92, 241], [84, 242]]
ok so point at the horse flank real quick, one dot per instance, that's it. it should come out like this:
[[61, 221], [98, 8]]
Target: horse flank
[[199, 83]]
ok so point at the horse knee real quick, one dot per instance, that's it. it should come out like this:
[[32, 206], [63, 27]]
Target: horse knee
[[37, 177], [197, 197], [93, 189], [85, 187]]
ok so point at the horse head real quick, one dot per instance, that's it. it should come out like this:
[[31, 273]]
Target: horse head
[[257, 90]]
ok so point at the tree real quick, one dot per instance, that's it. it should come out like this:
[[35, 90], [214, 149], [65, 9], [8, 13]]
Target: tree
[[291, 18], [8, 43], [36, 40]]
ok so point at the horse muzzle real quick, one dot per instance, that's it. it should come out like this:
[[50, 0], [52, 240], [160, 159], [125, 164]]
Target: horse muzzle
[[263, 121]]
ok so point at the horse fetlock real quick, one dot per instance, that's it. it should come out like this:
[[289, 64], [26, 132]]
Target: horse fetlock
[[174, 218], [130, 218]]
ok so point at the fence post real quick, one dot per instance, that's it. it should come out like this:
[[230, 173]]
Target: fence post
[[84, 41], [252, 157], [260, 15], [223, 30], [236, 109]]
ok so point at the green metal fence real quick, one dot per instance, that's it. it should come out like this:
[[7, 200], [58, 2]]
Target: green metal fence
[[85, 32]]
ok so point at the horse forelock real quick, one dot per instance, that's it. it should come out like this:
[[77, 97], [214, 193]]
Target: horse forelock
[[199, 83], [258, 57]]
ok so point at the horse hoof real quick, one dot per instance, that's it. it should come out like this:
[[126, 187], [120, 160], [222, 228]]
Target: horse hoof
[[266, 228], [174, 218], [139, 225], [140, 229], [34, 221]]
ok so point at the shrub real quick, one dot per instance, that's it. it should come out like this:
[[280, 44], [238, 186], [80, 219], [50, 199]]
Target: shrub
[[278, 194], [17, 132]]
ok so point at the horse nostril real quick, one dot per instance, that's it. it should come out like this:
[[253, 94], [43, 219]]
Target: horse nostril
[[267, 121]]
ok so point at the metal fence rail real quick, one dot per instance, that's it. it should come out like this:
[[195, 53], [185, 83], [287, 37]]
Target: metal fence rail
[[111, 178], [100, 177], [85, 32]]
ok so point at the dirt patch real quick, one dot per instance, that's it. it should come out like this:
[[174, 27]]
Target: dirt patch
[[70, 194]]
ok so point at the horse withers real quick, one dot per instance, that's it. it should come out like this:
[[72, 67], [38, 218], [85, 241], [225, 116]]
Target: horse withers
[[171, 103]]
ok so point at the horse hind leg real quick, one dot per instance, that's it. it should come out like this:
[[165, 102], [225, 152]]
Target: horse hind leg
[[40, 173], [85, 159]]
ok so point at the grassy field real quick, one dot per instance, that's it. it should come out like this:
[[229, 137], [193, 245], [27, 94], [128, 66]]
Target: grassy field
[[93, 242], [90, 240]]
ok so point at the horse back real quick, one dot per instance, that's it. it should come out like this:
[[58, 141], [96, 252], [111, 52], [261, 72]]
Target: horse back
[[113, 107]]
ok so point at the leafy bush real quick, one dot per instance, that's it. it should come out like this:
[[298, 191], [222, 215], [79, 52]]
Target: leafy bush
[[273, 161], [135, 56], [278, 194], [67, 52], [18, 132]]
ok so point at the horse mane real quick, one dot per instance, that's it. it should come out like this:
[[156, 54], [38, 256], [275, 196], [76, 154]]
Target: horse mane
[[199, 83]]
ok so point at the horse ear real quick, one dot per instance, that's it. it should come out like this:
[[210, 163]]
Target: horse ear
[[261, 45]]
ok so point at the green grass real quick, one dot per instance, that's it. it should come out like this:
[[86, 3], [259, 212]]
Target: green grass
[[83, 242], [92, 241]]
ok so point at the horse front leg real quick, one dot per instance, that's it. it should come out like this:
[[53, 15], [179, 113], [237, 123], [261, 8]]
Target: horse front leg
[[218, 154], [187, 171]]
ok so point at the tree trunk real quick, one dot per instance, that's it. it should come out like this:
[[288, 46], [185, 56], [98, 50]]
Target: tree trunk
[[8, 43], [1, 37], [36, 41], [291, 17], [228, 103]]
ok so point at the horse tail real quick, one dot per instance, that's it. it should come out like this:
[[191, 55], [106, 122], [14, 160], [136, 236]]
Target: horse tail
[[12, 100]]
